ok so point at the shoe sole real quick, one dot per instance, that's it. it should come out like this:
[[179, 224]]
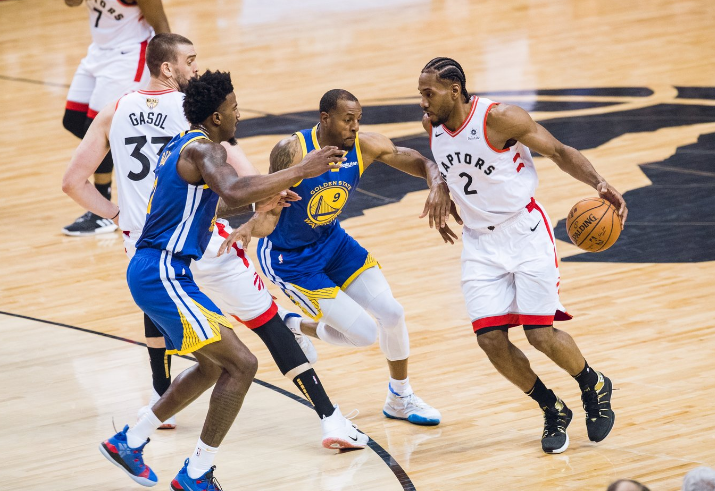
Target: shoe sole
[[99, 231], [338, 444], [166, 426], [414, 419], [562, 449], [140, 480], [613, 415]]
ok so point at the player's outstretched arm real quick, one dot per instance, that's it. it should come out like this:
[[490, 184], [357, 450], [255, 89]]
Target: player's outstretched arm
[[508, 122], [378, 147], [260, 225], [205, 160], [85, 160], [153, 11]]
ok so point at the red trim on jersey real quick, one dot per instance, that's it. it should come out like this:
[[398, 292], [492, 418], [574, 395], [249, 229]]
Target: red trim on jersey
[[239, 252], [156, 92], [516, 157], [466, 121], [261, 319], [486, 138], [142, 64], [534, 206], [76, 106], [512, 320], [91, 113]]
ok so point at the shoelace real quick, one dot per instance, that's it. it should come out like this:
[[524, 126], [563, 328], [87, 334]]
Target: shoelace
[[553, 423], [213, 482], [591, 404]]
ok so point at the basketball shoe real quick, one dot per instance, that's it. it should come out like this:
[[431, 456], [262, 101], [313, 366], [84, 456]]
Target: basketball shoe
[[597, 404], [339, 432], [410, 408], [207, 482], [169, 424], [556, 420], [130, 460], [90, 224], [292, 320]]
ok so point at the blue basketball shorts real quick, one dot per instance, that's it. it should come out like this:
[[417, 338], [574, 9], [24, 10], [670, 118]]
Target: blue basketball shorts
[[163, 287], [316, 271]]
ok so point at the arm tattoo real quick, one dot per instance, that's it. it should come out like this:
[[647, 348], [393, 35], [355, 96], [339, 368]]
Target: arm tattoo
[[282, 156]]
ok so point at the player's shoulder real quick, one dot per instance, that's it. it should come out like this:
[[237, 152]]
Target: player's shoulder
[[503, 115], [285, 153], [372, 142]]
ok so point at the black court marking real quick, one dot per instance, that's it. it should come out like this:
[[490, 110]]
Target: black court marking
[[394, 466], [31, 81]]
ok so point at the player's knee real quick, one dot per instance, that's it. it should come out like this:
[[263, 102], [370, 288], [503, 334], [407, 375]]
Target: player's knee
[[392, 315], [74, 122], [245, 365], [493, 343], [363, 332], [540, 337]]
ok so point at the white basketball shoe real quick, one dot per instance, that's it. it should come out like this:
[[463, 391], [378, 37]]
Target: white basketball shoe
[[410, 408], [169, 424], [339, 432], [292, 320]]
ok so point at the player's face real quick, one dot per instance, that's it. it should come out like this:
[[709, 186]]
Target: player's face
[[437, 98], [343, 123], [186, 65], [229, 118]]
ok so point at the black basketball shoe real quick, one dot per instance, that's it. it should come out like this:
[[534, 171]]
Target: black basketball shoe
[[90, 224], [597, 404], [556, 420]]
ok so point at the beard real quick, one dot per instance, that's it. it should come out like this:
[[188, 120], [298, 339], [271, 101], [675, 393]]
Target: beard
[[232, 141]]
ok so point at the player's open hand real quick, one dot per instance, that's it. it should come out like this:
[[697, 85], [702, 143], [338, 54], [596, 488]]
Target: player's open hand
[[320, 161], [437, 206], [447, 233], [242, 234], [609, 193], [280, 200]]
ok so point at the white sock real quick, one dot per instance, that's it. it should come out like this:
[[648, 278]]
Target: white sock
[[293, 323], [401, 388], [201, 460], [137, 435]]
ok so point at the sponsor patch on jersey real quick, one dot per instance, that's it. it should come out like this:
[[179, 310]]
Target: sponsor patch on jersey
[[152, 102]]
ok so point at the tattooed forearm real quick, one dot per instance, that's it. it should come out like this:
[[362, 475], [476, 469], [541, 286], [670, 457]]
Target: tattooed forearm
[[282, 155]]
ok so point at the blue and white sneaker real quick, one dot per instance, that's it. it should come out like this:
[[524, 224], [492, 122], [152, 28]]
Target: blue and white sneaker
[[130, 460], [410, 408], [207, 482], [292, 320]]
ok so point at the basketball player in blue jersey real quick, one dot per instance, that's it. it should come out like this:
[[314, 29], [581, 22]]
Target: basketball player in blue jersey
[[191, 176], [323, 270]]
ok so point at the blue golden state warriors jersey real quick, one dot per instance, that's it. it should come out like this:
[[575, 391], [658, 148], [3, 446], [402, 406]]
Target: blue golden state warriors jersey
[[180, 216], [324, 198]]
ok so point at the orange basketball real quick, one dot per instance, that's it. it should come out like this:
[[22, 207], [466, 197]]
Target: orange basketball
[[593, 224]]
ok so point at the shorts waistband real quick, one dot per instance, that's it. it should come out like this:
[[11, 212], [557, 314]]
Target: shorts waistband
[[157, 253], [509, 222]]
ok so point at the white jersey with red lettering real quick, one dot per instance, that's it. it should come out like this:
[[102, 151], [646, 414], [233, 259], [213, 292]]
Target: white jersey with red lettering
[[488, 184], [143, 122], [115, 23]]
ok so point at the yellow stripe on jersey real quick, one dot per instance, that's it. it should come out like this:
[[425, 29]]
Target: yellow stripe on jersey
[[315, 295], [370, 261], [314, 135], [304, 149], [359, 153], [202, 137]]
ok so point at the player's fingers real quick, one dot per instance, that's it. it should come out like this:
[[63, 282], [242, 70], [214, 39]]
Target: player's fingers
[[425, 210], [624, 216]]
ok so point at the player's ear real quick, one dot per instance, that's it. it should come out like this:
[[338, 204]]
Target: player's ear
[[324, 118], [166, 69], [456, 91], [216, 118]]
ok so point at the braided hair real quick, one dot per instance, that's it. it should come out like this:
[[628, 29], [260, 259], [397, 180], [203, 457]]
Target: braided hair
[[449, 69]]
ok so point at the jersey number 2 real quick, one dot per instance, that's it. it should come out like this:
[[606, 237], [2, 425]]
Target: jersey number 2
[[139, 142], [468, 184]]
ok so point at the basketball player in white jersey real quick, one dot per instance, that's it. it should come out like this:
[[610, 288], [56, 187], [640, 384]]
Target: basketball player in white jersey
[[114, 66], [510, 273], [136, 128]]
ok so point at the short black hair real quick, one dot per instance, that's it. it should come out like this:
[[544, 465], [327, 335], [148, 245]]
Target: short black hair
[[162, 48], [204, 95], [614, 485], [330, 99], [449, 69]]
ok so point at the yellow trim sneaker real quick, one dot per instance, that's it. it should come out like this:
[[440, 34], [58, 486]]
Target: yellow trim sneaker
[[600, 418], [556, 420]]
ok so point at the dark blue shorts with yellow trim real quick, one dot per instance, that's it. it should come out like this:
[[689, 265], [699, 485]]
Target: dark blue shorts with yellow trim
[[316, 271], [163, 287]]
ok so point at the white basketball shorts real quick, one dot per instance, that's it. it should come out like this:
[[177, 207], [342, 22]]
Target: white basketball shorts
[[510, 274], [105, 75], [230, 281]]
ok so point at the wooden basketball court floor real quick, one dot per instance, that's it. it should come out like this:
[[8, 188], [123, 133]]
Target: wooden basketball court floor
[[643, 315]]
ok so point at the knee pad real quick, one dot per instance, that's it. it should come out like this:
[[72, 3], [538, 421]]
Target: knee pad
[[75, 122]]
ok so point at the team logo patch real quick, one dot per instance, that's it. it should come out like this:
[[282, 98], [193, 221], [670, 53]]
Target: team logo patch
[[152, 102], [326, 204]]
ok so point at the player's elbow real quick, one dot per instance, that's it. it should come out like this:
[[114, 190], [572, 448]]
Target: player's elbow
[[69, 185]]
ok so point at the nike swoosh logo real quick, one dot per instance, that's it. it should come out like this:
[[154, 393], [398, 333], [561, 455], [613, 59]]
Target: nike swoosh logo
[[532, 229], [438, 134], [353, 439], [125, 52]]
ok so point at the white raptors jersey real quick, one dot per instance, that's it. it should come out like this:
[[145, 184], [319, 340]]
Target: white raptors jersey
[[489, 185], [116, 23], [143, 123]]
